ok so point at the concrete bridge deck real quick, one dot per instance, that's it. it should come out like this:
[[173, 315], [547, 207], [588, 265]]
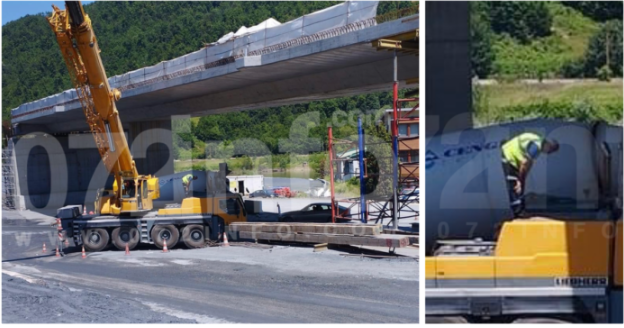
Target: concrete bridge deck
[[342, 63]]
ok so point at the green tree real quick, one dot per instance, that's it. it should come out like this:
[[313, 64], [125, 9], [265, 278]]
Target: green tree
[[598, 10], [481, 53], [605, 49], [247, 163], [522, 20]]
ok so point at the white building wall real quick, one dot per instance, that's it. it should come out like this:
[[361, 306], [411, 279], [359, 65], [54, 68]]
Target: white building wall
[[249, 182]]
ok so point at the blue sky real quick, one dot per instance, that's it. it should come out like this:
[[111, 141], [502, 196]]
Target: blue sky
[[12, 10]]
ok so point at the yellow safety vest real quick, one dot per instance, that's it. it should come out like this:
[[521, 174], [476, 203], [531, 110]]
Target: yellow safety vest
[[515, 150], [187, 178]]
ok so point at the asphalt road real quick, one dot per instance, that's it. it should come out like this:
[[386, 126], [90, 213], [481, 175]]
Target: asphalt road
[[211, 285]]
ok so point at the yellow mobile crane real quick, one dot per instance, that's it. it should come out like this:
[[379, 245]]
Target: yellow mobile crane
[[125, 216], [132, 192]]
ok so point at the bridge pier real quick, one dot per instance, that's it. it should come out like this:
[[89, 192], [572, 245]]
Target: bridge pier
[[448, 78]]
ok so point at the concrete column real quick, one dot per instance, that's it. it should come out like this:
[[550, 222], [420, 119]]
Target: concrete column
[[448, 78]]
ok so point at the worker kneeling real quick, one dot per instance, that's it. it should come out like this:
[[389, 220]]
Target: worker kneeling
[[519, 153]]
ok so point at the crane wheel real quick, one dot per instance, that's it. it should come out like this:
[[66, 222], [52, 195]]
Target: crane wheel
[[125, 235], [168, 232], [193, 236], [95, 240]]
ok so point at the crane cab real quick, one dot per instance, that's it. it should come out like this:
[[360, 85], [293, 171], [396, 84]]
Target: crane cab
[[135, 196]]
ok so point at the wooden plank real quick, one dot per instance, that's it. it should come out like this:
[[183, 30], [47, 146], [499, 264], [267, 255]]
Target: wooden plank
[[326, 228], [320, 247], [311, 238], [266, 236], [384, 240]]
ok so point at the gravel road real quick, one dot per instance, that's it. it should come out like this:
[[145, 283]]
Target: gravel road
[[278, 284]]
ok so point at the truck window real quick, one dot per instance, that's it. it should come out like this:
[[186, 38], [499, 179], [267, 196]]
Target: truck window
[[229, 206]]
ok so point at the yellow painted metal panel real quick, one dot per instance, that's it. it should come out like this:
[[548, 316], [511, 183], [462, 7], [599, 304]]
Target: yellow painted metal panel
[[430, 268], [152, 184], [541, 265], [464, 267], [546, 248]]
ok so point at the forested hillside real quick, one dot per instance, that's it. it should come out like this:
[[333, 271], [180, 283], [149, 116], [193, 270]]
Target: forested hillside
[[531, 39]]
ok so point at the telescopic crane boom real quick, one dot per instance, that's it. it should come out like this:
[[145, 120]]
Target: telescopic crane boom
[[132, 193]]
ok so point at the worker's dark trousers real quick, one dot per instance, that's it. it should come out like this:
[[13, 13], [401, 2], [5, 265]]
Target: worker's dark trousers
[[516, 200]]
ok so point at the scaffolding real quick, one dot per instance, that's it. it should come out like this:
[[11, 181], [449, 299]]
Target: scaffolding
[[405, 177], [10, 198]]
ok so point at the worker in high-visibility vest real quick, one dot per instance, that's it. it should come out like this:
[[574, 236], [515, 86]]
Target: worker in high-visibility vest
[[186, 182], [519, 153]]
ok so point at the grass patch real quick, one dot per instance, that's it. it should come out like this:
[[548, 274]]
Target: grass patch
[[238, 166], [197, 164], [585, 100]]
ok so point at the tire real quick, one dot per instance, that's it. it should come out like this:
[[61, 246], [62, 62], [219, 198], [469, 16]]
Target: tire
[[162, 232], [125, 235], [193, 236], [95, 240]]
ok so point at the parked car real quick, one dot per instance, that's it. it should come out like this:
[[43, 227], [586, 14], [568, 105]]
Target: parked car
[[263, 193], [315, 212], [410, 195]]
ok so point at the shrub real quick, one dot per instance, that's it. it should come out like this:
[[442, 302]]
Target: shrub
[[354, 181], [604, 73]]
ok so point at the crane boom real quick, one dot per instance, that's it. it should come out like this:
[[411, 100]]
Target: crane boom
[[80, 50]]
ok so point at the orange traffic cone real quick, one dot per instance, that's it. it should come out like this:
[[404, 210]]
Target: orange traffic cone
[[128, 249], [84, 255], [165, 250], [57, 252], [44, 249], [225, 241]]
